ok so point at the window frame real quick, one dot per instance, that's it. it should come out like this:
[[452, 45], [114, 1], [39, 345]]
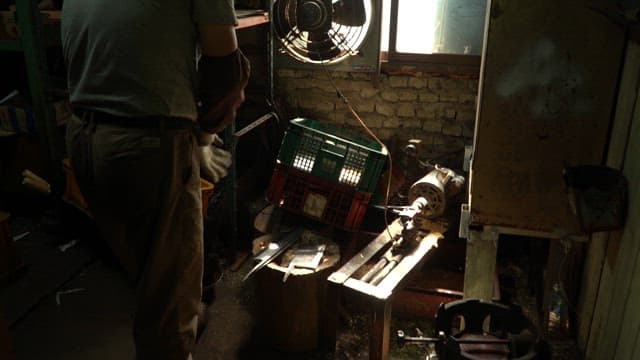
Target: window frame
[[395, 58]]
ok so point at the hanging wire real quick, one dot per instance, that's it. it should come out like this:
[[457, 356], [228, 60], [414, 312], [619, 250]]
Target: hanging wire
[[374, 137]]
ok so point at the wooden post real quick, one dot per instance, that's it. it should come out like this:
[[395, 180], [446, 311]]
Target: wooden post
[[329, 326], [480, 265], [380, 328]]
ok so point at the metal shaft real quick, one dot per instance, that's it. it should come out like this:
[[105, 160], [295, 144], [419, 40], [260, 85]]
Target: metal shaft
[[386, 270], [374, 270]]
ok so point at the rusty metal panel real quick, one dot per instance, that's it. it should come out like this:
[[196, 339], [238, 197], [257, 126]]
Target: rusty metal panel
[[548, 83]]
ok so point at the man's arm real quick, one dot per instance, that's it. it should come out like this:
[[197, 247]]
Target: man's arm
[[217, 40], [223, 73]]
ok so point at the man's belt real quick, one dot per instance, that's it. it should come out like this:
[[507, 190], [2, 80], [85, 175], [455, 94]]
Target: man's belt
[[137, 122]]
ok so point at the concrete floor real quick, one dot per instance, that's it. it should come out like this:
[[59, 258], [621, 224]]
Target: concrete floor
[[78, 304], [90, 317], [92, 323]]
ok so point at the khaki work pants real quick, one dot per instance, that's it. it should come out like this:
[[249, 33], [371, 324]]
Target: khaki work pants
[[143, 189]]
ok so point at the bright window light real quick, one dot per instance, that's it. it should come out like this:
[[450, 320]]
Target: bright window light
[[417, 24], [436, 26]]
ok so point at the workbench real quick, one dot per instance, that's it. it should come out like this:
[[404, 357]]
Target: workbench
[[379, 294]]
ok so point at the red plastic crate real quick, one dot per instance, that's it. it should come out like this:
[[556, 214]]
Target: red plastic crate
[[319, 199]]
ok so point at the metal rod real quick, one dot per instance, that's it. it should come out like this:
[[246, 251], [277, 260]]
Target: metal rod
[[374, 270], [387, 269]]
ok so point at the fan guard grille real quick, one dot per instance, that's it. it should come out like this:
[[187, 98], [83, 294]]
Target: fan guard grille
[[329, 45]]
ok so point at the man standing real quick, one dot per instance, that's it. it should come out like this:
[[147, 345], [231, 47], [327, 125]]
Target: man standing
[[137, 158]]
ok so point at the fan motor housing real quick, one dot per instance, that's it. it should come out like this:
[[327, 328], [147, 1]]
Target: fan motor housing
[[314, 15]]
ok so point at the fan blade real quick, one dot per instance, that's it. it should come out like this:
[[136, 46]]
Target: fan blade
[[321, 47], [281, 18], [349, 12]]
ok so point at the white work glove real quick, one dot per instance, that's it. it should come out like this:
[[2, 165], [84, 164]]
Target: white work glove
[[214, 161]]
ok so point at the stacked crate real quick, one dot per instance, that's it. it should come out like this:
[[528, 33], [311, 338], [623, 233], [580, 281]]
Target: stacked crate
[[326, 173]]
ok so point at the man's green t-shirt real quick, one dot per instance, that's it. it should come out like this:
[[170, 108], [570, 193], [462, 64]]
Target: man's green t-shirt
[[136, 57]]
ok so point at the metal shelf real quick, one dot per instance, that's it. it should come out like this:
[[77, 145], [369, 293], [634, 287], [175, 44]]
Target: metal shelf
[[32, 44], [231, 134], [11, 45], [250, 21]]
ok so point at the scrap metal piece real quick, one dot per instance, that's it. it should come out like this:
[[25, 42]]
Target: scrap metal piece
[[308, 257], [385, 288], [272, 252]]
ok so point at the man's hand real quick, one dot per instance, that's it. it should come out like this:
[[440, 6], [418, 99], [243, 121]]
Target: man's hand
[[221, 89], [214, 161]]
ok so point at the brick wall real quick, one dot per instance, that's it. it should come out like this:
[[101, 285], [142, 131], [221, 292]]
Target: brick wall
[[437, 109]]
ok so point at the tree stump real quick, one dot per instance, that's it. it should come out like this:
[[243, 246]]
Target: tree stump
[[290, 314]]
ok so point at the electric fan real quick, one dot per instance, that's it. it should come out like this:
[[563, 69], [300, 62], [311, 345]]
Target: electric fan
[[328, 31]]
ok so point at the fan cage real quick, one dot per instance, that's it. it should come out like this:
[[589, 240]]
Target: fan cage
[[347, 40]]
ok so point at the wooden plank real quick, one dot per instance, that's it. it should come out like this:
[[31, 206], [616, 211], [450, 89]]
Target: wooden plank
[[625, 108], [616, 285], [601, 311], [380, 330], [631, 324], [480, 265], [547, 84], [590, 283], [593, 269], [251, 21], [626, 300], [533, 233]]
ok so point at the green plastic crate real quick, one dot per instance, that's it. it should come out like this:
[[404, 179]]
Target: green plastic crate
[[332, 153]]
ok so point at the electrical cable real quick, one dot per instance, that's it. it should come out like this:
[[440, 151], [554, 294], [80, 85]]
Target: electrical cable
[[374, 137]]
